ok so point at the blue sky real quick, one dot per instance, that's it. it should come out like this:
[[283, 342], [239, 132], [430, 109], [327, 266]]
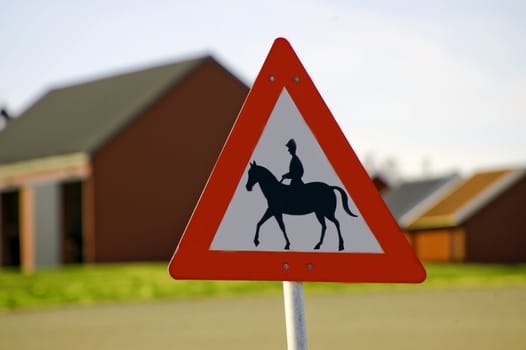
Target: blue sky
[[418, 86]]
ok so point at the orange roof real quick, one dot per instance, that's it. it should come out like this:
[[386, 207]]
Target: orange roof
[[453, 207]]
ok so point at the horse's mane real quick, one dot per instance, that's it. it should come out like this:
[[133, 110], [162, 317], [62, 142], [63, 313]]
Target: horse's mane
[[267, 173]]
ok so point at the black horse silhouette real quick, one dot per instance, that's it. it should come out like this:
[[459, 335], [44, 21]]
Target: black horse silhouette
[[317, 197]]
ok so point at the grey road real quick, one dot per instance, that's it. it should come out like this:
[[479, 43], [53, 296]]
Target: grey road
[[465, 319]]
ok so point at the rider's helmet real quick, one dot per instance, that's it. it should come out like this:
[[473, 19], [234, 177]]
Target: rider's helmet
[[291, 145]]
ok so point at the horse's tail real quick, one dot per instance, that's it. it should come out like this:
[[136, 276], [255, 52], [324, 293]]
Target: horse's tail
[[344, 201]]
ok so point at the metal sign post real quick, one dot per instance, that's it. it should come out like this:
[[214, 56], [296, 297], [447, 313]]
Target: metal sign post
[[295, 315]]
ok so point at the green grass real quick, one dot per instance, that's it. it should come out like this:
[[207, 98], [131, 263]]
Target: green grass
[[91, 284]]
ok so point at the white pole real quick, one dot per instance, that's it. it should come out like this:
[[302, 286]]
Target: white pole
[[295, 315]]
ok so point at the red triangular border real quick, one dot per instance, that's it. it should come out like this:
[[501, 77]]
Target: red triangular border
[[193, 259]]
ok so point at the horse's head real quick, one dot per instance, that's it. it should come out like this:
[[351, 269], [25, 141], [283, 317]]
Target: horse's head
[[252, 176]]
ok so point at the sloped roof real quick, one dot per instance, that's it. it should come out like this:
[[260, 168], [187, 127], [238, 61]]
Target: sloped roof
[[411, 198], [81, 118], [467, 198]]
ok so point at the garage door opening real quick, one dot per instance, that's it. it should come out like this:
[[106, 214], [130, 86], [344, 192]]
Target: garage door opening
[[10, 228], [73, 238]]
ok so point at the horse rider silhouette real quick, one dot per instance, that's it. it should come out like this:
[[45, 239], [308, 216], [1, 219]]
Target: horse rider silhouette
[[297, 198], [295, 167]]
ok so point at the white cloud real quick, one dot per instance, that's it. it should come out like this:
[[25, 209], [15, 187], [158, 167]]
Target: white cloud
[[410, 86], [397, 92]]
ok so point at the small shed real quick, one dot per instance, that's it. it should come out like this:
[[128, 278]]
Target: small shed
[[410, 198], [110, 170], [482, 219]]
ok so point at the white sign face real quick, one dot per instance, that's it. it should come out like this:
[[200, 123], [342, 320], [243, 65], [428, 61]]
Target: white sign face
[[238, 228]]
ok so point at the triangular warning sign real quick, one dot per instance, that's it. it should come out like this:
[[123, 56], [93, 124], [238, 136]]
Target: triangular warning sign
[[288, 199]]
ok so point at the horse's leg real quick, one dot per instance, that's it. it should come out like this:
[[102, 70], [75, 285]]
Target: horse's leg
[[337, 224], [264, 218], [279, 219], [321, 219]]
